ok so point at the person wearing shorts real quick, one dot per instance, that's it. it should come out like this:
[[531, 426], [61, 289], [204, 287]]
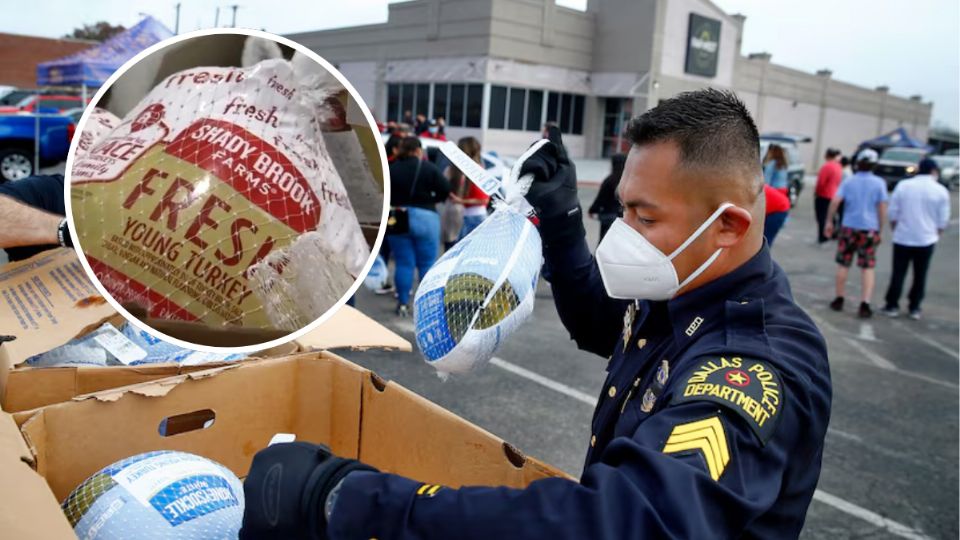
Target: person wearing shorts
[[864, 197], [859, 244]]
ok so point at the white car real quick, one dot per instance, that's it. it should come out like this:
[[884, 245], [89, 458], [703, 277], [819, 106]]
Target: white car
[[949, 170]]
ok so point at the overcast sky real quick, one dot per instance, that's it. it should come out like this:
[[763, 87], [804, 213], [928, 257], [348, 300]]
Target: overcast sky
[[912, 47]]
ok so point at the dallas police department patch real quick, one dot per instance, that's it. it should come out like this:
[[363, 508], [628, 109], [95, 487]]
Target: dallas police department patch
[[749, 387]]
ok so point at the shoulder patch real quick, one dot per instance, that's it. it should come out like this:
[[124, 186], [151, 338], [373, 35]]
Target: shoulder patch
[[750, 388]]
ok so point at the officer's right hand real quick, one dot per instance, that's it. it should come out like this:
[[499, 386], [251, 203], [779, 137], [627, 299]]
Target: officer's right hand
[[553, 193], [287, 488]]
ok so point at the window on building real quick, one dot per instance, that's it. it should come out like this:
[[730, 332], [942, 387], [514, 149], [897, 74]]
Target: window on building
[[517, 101], [456, 104], [406, 99], [553, 103], [534, 110], [576, 124], [498, 107], [440, 100], [422, 100], [474, 105], [393, 102]]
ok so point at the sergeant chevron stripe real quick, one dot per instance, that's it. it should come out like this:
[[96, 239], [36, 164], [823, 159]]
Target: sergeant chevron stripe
[[708, 437]]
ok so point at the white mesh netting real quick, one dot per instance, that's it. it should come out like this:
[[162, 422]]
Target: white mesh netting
[[158, 496]]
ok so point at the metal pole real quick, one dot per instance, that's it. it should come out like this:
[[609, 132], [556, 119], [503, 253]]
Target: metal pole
[[176, 24], [36, 137], [234, 23], [216, 18]]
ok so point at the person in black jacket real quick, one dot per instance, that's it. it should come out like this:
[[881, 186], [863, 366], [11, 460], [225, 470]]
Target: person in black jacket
[[416, 186], [606, 207]]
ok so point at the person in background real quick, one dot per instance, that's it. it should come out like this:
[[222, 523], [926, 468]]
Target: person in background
[[442, 127], [828, 180], [421, 125], [864, 196], [433, 131], [606, 207], [777, 210], [417, 186], [451, 217], [775, 168], [32, 216], [919, 213], [399, 132], [845, 165], [473, 199], [407, 117]]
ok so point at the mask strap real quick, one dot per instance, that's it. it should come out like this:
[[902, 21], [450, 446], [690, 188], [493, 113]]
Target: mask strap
[[696, 234], [700, 270]]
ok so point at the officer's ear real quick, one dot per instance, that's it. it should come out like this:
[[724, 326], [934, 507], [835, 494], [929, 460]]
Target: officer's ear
[[734, 224]]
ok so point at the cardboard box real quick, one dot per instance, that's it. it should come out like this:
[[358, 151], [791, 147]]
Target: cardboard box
[[320, 397], [48, 300]]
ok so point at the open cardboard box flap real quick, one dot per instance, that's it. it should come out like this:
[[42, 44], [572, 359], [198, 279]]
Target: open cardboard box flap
[[70, 306], [320, 397]]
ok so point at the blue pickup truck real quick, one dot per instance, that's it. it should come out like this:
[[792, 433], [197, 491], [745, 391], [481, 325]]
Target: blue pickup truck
[[17, 142]]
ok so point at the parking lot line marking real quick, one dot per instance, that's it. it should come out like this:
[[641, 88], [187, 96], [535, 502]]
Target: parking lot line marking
[[891, 526], [928, 340], [544, 381], [866, 332], [838, 503], [845, 435], [873, 357]]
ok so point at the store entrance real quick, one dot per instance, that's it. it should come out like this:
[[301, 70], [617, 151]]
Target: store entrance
[[617, 112]]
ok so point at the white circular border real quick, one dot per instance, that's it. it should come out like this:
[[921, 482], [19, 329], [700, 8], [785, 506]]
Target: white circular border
[[383, 217]]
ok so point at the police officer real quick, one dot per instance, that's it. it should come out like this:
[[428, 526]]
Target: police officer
[[712, 419]]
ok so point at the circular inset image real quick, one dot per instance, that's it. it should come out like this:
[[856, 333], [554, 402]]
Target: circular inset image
[[227, 189]]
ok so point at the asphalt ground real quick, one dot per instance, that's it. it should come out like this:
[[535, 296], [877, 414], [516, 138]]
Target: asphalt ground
[[891, 456]]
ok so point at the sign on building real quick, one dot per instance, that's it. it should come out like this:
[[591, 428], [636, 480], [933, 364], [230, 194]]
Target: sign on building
[[703, 45]]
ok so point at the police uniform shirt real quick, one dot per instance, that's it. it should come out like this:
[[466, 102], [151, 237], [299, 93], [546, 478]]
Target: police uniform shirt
[[710, 424]]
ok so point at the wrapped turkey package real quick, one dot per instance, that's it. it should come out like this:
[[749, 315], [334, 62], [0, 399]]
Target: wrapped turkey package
[[216, 200], [480, 291]]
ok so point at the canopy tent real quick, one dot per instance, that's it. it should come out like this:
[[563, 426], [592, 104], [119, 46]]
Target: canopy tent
[[896, 138], [93, 66]]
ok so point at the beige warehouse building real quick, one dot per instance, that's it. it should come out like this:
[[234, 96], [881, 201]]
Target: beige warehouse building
[[499, 69]]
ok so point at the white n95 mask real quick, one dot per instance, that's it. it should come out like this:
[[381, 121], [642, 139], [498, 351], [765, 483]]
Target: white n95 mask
[[634, 269]]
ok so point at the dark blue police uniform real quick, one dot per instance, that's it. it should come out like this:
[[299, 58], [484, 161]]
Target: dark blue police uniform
[[710, 424]]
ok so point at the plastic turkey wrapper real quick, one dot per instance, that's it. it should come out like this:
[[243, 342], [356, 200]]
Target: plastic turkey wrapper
[[478, 293], [108, 346], [216, 198]]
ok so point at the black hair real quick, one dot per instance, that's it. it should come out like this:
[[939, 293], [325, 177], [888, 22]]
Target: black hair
[[617, 164], [408, 146], [832, 153], [844, 161], [713, 129]]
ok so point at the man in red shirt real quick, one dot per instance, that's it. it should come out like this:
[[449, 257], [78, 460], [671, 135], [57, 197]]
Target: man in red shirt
[[831, 173]]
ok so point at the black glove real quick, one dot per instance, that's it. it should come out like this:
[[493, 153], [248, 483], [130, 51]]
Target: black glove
[[553, 193], [286, 490]]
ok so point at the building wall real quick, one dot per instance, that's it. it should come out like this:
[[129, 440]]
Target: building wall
[[624, 41], [540, 32], [19, 56], [364, 76]]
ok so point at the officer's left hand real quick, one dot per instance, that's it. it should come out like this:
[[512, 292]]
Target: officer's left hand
[[286, 489]]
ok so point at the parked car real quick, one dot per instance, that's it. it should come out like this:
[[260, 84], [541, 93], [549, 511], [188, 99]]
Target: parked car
[[898, 163], [795, 167], [17, 142], [28, 103], [949, 170]]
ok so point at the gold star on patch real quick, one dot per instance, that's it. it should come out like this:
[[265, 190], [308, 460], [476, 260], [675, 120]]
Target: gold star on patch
[[737, 378]]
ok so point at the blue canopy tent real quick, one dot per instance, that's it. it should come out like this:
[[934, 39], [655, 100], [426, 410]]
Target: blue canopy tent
[[897, 138], [93, 66]]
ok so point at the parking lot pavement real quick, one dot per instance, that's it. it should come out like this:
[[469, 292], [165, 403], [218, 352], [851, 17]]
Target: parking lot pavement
[[890, 462]]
